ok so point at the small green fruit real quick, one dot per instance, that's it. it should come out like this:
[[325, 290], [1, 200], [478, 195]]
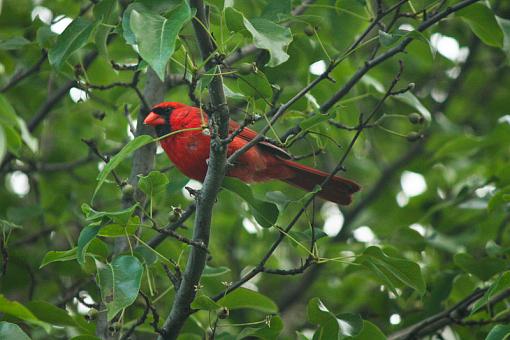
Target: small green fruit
[[414, 136], [416, 118]]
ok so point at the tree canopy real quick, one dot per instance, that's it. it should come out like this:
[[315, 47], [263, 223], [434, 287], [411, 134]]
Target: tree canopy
[[104, 238]]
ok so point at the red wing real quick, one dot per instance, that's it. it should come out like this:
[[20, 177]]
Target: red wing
[[248, 135]]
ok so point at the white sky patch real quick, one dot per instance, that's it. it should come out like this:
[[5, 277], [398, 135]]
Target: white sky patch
[[44, 14], [395, 319], [100, 166], [318, 67], [485, 190], [18, 183], [251, 226], [333, 219], [402, 199], [364, 234], [449, 47], [438, 95], [454, 72], [83, 309], [419, 228], [406, 27], [413, 184], [60, 24], [196, 185], [159, 149], [78, 95], [504, 119]]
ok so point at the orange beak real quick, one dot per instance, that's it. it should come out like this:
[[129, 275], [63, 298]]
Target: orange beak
[[154, 119]]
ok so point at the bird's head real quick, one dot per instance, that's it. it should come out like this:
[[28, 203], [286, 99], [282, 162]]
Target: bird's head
[[159, 117]]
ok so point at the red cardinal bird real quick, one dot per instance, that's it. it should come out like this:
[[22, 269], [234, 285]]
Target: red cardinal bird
[[189, 151]]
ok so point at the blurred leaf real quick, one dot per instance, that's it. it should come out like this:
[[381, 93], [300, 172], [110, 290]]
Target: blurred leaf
[[87, 234], [214, 271], [75, 36], [269, 331], [255, 85], [204, 302], [250, 299], [120, 282], [59, 256], [12, 331], [498, 199], [121, 216], [130, 147], [411, 100], [483, 23], [45, 37], [498, 332], [234, 19], [276, 10], [265, 213], [394, 271], [369, 332], [51, 314], [505, 26], [484, 268], [271, 37], [153, 183], [105, 14], [14, 43], [332, 326], [156, 35], [502, 282], [16, 309]]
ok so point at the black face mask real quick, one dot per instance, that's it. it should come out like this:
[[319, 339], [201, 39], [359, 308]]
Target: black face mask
[[165, 113]]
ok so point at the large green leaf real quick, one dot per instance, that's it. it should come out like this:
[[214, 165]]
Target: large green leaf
[[59, 256], [255, 85], [369, 332], [3, 143], [12, 331], [156, 35], [51, 314], [105, 13], [271, 37], [75, 36], [204, 302], [119, 283], [130, 147], [484, 268], [250, 299], [332, 326], [499, 332], [120, 216], [266, 213], [16, 309], [483, 23], [153, 183], [394, 271], [14, 43], [87, 234]]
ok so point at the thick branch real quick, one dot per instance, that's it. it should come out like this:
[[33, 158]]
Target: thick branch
[[218, 123]]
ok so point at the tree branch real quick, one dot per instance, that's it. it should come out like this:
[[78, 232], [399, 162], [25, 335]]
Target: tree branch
[[218, 123]]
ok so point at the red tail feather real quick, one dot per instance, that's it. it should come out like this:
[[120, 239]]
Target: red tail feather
[[337, 189]]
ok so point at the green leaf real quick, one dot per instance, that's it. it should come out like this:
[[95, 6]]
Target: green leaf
[[255, 85], [121, 216], [234, 19], [411, 100], [119, 283], [130, 147], [121, 229], [498, 200], [105, 14], [484, 268], [204, 302], [394, 271], [315, 119], [12, 331], [59, 256], [156, 35], [265, 213], [332, 326], [14, 43], [45, 37], [502, 282], [214, 271], [387, 39], [499, 332], [75, 36], [16, 309], [482, 22], [369, 332], [8, 116], [250, 299], [146, 255], [269, 331], [3, 143], [12, 139], [87, 234], [155, 182], [271, 37], [505, 26], [276, 10], [85, 337], [8, 226], [51, 314]]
